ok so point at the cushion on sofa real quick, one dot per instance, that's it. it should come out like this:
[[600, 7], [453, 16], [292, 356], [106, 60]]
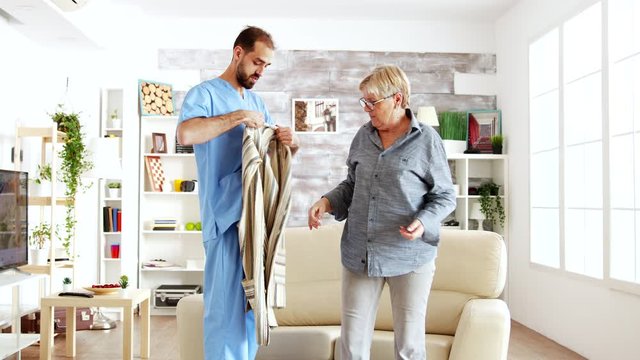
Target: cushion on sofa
[[301, 343], [472, 262], [312, 279], [443, 311], [311, 304], [382, 346]]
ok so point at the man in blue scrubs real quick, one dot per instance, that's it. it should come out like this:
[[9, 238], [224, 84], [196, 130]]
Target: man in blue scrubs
[[213, 117]]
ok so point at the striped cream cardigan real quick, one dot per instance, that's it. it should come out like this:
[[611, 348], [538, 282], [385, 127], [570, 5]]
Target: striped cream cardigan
[[266, 198]]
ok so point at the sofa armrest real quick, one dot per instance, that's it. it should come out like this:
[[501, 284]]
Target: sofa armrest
[[483, 331]]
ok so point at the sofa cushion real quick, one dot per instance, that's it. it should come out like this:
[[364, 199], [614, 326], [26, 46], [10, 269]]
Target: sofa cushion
[[312, 279], [443, 311], [472, 262], [382, 346], [300, 343]]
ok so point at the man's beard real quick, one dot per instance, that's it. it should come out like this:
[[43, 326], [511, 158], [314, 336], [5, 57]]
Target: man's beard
[[243, 78]]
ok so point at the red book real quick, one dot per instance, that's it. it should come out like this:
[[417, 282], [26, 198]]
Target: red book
[[119, 218]]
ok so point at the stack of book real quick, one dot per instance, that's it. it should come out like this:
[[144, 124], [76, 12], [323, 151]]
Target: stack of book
[[111, 219], [183, 149], [164, 224]]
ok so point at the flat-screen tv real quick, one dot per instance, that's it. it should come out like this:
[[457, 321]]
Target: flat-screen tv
[[13, 219]]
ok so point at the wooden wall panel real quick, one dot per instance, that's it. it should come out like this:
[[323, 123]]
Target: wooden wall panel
[[320, 163]]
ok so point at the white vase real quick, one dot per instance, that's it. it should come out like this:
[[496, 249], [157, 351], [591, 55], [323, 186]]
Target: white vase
[[124, 292], [116, 123], [454, 146], [39, 256], [67, 287], [114, 193]]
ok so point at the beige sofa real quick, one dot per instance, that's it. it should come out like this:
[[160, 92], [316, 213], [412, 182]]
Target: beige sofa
[[465, 319]]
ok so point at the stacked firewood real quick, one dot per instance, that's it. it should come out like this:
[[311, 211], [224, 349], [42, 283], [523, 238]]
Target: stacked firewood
[[157, 99]]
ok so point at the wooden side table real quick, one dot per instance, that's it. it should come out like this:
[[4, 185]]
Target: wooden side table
[[126, 301]]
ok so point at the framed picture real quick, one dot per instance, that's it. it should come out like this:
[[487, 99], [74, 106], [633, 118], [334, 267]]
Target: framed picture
[[482, 125], [317, 116], [155, 172], [159, 143], [156, 99]]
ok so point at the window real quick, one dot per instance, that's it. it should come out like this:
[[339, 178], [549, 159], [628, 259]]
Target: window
[[624, 124], [585, 185], [545, 141]]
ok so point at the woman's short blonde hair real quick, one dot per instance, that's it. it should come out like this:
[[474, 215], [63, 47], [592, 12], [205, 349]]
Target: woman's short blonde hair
[[387, 80]]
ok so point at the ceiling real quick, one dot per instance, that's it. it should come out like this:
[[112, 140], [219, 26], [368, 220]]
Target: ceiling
[[74, 22]]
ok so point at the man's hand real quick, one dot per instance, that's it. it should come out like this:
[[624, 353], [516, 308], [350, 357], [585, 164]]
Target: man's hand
[[413, 231], [285, 136], [252, 119]]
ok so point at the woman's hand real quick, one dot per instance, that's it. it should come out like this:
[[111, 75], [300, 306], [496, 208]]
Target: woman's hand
[[413, 231], [316, 211]]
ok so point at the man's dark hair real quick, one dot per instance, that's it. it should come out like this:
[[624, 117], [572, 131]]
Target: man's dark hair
[[248, 37]]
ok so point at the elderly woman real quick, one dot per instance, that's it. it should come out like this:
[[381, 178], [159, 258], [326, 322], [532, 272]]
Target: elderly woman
[[397, 191]]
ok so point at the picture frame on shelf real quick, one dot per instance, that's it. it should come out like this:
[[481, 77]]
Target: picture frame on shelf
[[159, 141], [315, 116], [155, 98], [482, 125], [155, 172]]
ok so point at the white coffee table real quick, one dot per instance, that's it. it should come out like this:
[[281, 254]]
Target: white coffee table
[[126, 301]]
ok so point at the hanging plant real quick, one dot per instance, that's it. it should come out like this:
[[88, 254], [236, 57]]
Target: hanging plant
[[75, 161]]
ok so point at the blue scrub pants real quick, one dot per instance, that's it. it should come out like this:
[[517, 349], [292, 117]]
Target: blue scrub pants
[[229, 330]]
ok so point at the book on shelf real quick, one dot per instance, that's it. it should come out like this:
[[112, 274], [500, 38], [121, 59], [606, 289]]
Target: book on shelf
[[111, 219]]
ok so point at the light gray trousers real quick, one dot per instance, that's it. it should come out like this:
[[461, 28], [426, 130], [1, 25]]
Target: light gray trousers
[[360, 296]]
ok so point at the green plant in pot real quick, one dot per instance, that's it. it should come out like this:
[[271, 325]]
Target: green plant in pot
[[113, 185], [490, 203], [75, 161], [496, 143], [40, 235], [453, 125]]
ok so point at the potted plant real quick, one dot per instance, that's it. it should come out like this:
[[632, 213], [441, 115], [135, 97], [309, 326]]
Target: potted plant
[[453, 131], [116, 122], [490, 204], [124, 284], [38, 239], [41, 181], [75, 162], [66, 284], [496, 143], [114, 189]]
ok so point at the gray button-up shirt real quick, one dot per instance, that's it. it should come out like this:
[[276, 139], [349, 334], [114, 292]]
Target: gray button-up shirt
[[386, 189]]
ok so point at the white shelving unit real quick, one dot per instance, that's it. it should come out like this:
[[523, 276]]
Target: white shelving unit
[[470, 170], [10, 314], [179, 247], [50, 205], [110, 267]]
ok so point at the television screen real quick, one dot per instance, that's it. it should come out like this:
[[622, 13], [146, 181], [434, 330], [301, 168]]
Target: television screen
[[13, 219]]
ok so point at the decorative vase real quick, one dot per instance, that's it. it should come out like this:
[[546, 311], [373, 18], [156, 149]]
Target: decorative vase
[[39, 256], [67, 287], [114, 193], [497, 149], [124, 292], [487, 225], [116, 123]]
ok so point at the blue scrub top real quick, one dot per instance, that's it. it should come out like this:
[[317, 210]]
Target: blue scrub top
[[219, 160]]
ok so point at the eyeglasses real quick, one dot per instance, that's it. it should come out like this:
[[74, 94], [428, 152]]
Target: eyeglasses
[[367, 105]]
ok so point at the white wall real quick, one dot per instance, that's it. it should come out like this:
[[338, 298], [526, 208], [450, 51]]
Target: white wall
[[583, 315]]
